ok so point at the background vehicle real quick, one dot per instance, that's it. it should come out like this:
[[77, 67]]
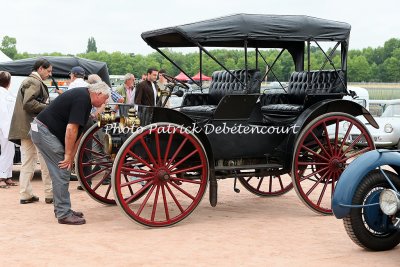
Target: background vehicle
[[367, 198], [20, 69], [160, 173], [388, 134]]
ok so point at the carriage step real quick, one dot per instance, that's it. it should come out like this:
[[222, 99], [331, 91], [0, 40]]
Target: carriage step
[[248, 167]]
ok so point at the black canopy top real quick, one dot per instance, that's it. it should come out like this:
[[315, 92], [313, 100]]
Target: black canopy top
[[264, 31], [61, 66]]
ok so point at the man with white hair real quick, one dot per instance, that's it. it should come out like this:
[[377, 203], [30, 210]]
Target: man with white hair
[[127, 90], [56, 132]]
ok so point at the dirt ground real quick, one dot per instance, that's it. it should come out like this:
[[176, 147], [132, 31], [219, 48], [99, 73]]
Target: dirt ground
[[242, 230]]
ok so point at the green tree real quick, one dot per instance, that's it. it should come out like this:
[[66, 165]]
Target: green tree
[[91, 46], [390, 70], [8, 46], [359, 70]]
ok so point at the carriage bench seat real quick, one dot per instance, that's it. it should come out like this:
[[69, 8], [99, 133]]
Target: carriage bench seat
[[286, 107], [282, 109], [199, 111], [222, 84]]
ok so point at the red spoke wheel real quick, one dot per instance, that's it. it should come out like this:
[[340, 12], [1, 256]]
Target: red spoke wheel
[[93, 166], [160, 175], [323, 150], [268, 185]]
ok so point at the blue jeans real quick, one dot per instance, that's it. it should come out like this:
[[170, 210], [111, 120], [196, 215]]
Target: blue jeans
[[53, 152]]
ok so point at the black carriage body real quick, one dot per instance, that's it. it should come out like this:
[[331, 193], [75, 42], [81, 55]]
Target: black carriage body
[[234, 97], [269, 141]]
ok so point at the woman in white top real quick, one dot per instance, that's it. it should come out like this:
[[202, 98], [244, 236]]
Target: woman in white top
[[7, 102]]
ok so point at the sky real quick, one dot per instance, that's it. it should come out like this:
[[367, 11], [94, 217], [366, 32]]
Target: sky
[[64, 26]]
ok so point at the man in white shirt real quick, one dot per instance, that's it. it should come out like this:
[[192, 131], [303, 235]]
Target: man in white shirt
[[77, 74]]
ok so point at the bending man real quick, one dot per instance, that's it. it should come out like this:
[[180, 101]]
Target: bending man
[[56, 132]]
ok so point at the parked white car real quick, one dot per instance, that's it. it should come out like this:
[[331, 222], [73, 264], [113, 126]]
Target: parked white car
[[388, 134]]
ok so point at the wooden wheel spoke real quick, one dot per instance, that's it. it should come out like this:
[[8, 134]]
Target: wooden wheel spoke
[[248, 180], [313, 173], [259, 183], [98, 141], [146, 148], [336, 132], [141, 190], [184, 159], [174, 198], [129, 186], [306, 163], [157, 138], [105, 176], [135, 170], [353, 144], [153, 212], [187, 169], [108, 191], [317, 183], [315, 153], [270, 184], [93, 174], [140, 159], [167, 148], [320, 144], [177, 152], [345, 136], [141, 207], [327, 138], [321, 196], [181, 190], [185, 180], [280, 182], [355, 154], [139, 180], [165, 203], [96, 153]]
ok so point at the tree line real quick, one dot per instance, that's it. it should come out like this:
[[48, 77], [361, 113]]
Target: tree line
[[381, 64]]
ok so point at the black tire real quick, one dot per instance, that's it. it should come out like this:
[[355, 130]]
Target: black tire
[[357, 225]]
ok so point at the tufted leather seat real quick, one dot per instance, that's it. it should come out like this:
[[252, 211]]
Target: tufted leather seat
[[282, 109], [222, 84], [290, 105]]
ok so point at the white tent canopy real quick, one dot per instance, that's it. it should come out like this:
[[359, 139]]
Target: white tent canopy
[[4, 58]]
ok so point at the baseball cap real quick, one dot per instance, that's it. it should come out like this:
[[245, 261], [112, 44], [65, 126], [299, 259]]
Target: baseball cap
[[78, 70]]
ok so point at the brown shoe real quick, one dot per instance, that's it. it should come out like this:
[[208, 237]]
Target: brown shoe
[[77, 213], [72, 220], [48, 200]]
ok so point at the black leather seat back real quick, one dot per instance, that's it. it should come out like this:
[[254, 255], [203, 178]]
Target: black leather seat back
[[322, 82], [223, 83]]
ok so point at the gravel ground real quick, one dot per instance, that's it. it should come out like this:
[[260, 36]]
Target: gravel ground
[[242, 230]]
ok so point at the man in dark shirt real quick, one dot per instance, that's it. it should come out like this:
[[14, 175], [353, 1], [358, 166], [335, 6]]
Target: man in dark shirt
[[147, 90], [56, 132]]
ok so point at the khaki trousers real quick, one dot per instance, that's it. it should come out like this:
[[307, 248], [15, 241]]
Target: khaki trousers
[[29, 156]]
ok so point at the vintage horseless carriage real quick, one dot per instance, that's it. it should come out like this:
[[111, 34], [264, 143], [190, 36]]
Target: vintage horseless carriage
[[267, 141]]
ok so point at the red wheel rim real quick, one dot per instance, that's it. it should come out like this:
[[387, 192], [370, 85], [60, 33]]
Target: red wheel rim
[[160, 176], [95, 166], [267, 186], [322, 154]]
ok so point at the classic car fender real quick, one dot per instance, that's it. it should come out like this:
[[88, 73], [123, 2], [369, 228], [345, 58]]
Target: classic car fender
[[354, 174], [323, 107]]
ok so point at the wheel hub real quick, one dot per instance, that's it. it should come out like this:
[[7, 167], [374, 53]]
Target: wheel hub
[[335, 165], [163, 175]]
